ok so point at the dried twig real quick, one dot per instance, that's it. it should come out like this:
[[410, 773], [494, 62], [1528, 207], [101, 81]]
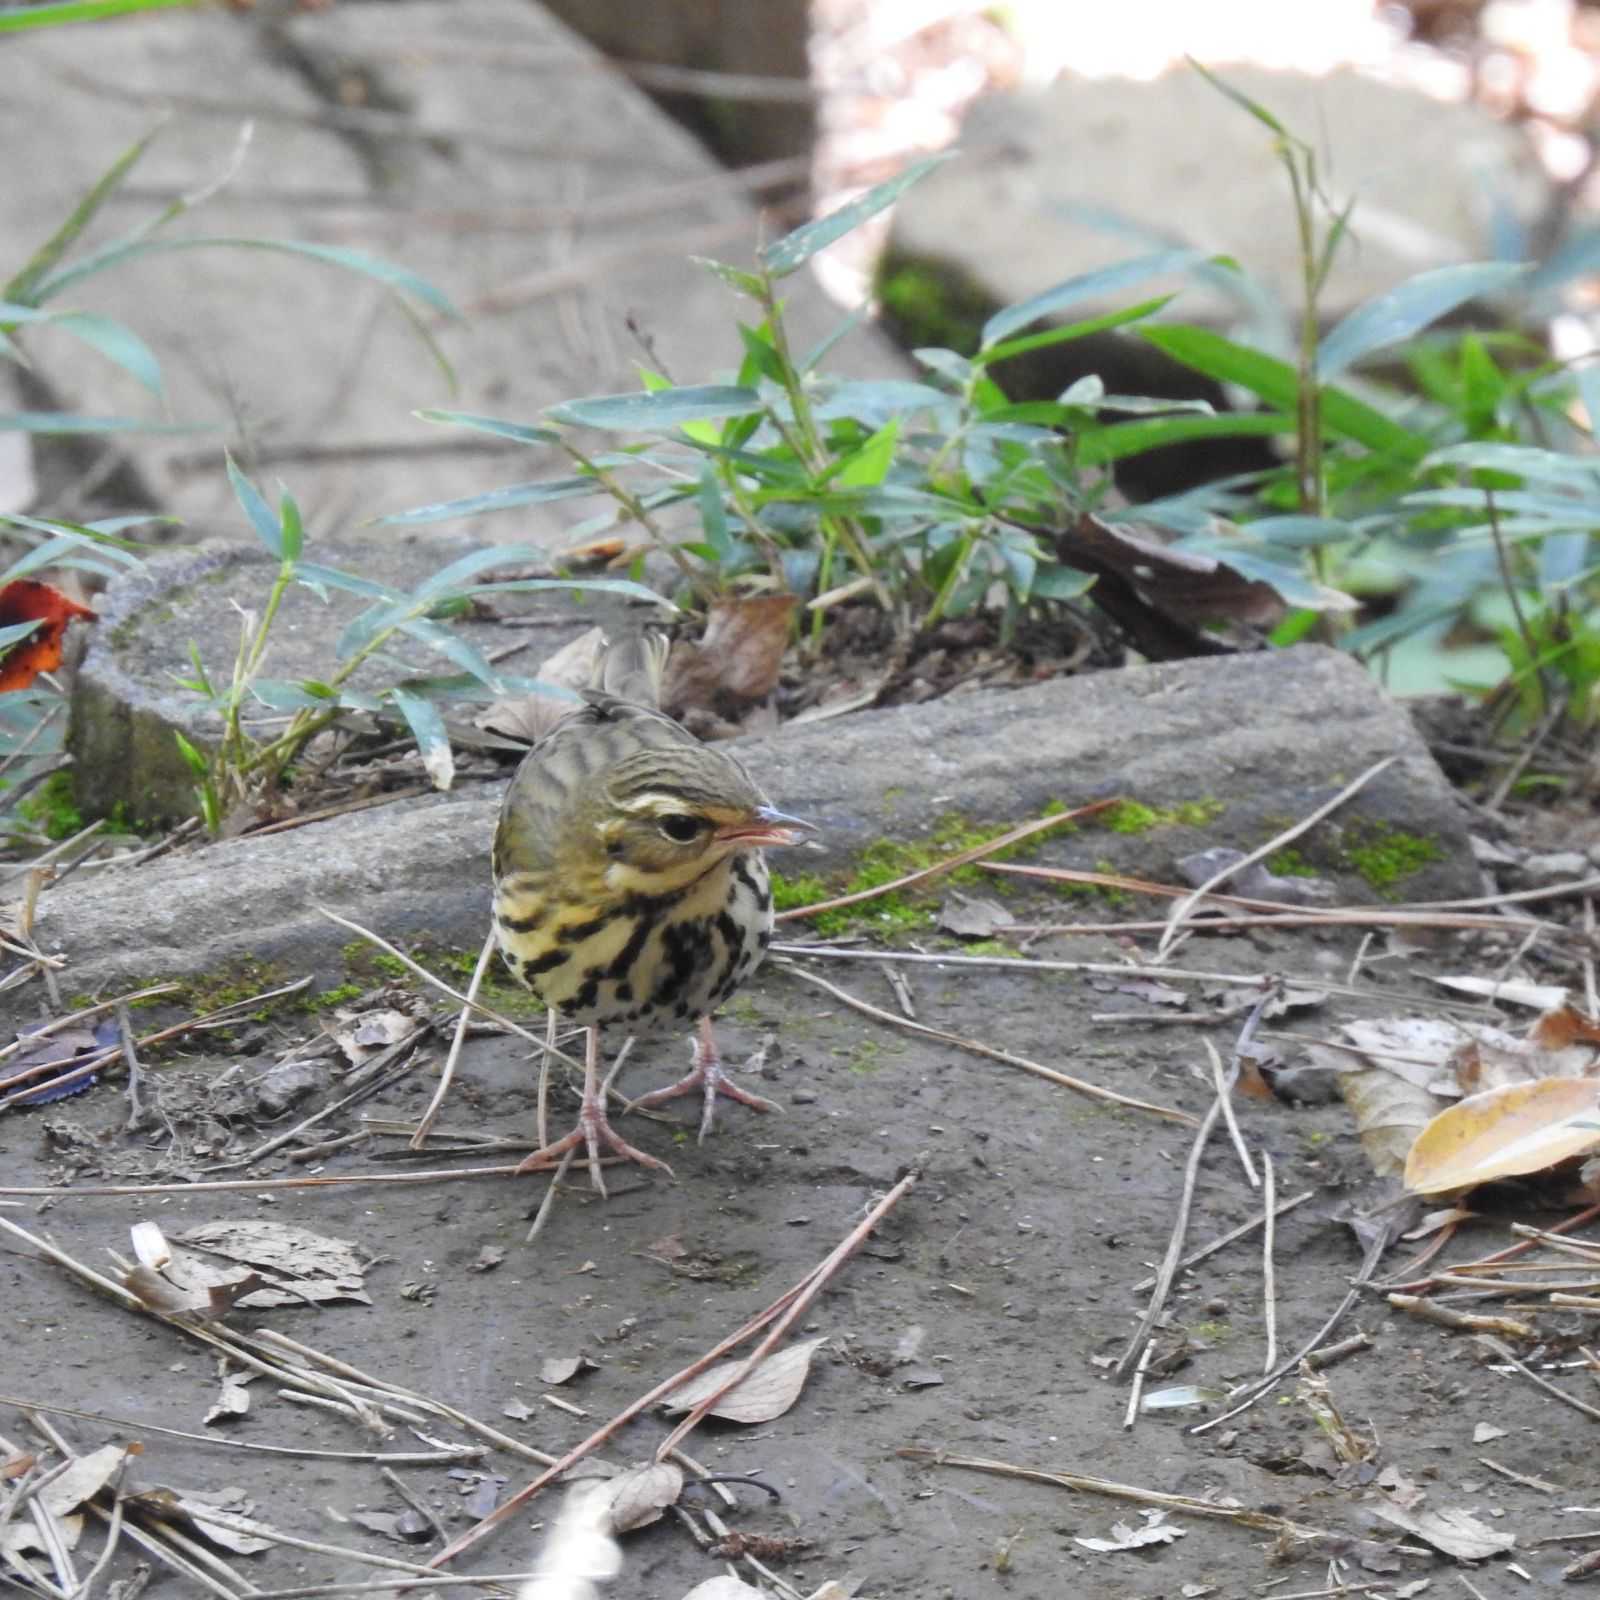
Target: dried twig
[[1494, 1346], [1520, 1477], [1082, 1086], [1232, 1236], [1465, 1321], [403, 1458], [1224, 1083], [1180, 1227], [1190, 1505], [430, 1116], [762, 1319], [1180, 912], [1269, 1271], [962, 858]]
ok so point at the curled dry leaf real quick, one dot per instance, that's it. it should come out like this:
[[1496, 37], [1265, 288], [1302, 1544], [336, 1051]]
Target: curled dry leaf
[[972, 917], [637, 1497], [365, 1035], [216, 1517], [737, 660], [83, 1479], [527, 718], [1538, 996], [1156, 1530], [26, 600], [767, 1393], [1454, 1532], [1389, 1110], [1505, 1133], [560, 1369], [300, 1265]]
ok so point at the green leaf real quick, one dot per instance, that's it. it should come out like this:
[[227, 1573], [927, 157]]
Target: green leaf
[[1278, 384], [24, 287], [115, 342], [1122, 439], [521, 432], [1524, 461], [954, 369], [653, 412], [193, 758], [427, 727], [515, 494], [69, 422], [1072, 330], [281, 695], [13, 632], [313, 576], [758, 347], [1053, 581], [256, 509], [791, 252], [357, 261], [62, 11], [869, 465], [622, 586], [714, 515], [294, 532], [1084, 286], [1243, 101], [448, 580], [736, 278], [1400, 312]]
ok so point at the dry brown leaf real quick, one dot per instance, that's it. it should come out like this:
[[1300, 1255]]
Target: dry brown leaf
[[767, 1393], [738, 657], [1417, 1049], [1540, 996], [300, 1265], [1389, 1111], [83, 1480], [362, 1037], [970, 916], [218, 1517], [637, 1497], [560, 1369], [232, 1401], [1454, 1532], [1504, 1133], [529, 717]]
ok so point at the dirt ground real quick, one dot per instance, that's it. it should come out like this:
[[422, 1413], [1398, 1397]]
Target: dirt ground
[[981, 1319]]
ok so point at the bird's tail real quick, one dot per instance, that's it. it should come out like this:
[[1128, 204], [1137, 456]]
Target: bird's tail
[[631, 668]]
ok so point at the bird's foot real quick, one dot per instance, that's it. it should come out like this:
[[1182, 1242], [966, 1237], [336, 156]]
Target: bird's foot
[[593, 1133], [711, 1078]]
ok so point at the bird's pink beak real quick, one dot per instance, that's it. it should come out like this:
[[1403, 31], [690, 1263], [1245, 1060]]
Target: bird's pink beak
[[768, 827]]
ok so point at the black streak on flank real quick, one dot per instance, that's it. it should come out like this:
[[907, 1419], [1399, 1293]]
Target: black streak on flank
[[540, 965], [577, 932]]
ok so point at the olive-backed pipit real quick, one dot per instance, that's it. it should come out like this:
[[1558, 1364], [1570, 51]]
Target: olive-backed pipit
[[629, 884]]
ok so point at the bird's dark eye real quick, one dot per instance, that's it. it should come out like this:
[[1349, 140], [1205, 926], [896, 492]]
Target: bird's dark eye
[[682, 829]]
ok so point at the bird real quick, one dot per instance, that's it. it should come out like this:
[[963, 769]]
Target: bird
[[630, 885]]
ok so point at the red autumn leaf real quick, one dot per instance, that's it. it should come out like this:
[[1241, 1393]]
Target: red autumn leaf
[[23, 600]]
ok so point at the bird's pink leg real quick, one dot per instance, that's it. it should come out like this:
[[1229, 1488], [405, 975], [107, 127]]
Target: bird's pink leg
[[594, 1129], [710, 1077]]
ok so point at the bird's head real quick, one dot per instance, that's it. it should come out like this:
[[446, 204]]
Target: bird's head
[[671, 815]]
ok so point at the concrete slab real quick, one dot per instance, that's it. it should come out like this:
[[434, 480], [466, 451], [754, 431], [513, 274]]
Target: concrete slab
[[1259, 739]]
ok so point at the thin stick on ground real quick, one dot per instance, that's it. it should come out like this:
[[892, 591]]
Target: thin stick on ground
[[1503, 1353], [436, 982], [1136, 1389], [314, 1591], [322, 1180], [1180, 912], [1232, 1236], [447, 1074], [1180, 1227], [403, 1458], [824, 1274], [1190, 1505], [762, 1319], [1223, 1082], [1269, 1270], [961, 859], [977, 1048], [1267, 1384]]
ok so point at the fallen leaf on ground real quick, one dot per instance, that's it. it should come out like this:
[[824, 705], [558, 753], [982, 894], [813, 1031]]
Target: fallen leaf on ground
[[737, 659], [560, 1369], [767, 1393], [300, 1265], [1156, 1530], [1504, 1133], [529, 717], [1456, 1533], [364, 1036], [1540, 996], [517, 1410], [232, 1401], [1483, 1432], [637, 1497], [26, 600], [219, 1517], [972, 917]]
